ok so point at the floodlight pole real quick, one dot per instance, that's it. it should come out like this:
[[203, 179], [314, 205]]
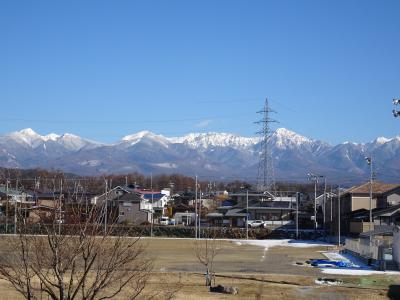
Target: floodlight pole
[[395, 112], [314, 177], [369, 162], [370, 197], [247, 214], [315, 205], [195, 209]]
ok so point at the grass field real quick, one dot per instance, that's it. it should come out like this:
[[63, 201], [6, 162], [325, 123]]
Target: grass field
[[258, 274]]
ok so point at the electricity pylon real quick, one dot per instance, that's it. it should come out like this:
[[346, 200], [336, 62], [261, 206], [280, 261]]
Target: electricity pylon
[[266, 174]]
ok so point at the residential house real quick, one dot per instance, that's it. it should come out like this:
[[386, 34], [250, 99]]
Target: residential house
[[133, 209], [125, 205], [357, 200], [260, 206]]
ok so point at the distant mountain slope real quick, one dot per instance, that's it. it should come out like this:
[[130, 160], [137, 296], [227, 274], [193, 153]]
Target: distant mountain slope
[[216, 155]]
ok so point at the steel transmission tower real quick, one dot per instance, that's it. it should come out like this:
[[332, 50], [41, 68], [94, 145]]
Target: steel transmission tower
[[266, 176]]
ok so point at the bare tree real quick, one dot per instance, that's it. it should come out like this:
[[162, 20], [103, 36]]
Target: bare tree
[[81, 261], [206, 250]]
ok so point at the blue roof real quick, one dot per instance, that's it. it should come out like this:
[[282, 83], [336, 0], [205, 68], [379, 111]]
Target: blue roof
[[155, 196], [227, 203]]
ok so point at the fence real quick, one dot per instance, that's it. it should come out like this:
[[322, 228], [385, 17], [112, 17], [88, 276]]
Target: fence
[[363, 248], [396, 245]]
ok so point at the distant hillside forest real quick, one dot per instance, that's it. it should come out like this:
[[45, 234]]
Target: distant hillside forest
[[48, 180]]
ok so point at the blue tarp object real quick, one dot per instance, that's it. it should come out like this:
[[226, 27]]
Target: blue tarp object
[[322, 263]]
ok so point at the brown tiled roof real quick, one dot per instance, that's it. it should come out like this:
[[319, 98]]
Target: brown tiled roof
[[377, 188]]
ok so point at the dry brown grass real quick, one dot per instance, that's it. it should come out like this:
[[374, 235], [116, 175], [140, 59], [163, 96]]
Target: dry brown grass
[[274, 277]]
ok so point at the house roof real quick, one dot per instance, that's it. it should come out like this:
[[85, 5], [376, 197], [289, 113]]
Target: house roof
[[215, 215], [377, 188], [271, 204], [134, 197], [376, 212], [236, 212]]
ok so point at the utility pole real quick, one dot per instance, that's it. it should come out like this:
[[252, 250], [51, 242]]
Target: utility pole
[[315, 178], [265, 177], [247, 214], [339, 216], [369, 162], [200, 214], [331, 214], [59, 209], [7, 181], [15, 208], [105, 208], [297, 214], [152, 208], [324, 211]]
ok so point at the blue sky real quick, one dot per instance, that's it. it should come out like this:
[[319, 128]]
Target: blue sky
[[105, 69]]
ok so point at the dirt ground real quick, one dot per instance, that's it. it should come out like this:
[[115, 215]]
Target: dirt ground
[[258, 274]]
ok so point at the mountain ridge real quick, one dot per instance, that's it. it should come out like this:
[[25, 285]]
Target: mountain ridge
[[210, 154]]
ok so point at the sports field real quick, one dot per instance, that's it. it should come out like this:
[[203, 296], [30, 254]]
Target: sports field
[[276, 273]]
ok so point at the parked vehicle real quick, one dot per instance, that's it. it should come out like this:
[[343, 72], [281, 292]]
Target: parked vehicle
[[171, 222], [164, 221], [256, 223]]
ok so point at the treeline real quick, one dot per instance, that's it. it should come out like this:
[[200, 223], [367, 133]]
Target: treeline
[[52, 180]]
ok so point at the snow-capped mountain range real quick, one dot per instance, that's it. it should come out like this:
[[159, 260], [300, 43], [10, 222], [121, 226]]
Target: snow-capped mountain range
[[216, 155]]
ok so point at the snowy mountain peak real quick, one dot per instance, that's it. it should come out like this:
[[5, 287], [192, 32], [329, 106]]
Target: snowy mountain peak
[[26, 136], [214, 139], [284, 138], [28, 132], [75, 143], [133, 139], [382, 140], [137, 136], [51, 137]]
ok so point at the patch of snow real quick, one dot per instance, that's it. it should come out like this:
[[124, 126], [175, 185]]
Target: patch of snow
[[285, 243], [349, 143], [166, 165], [360, 267], [356, 272], [210, 167], [90, 163], [326, 281]]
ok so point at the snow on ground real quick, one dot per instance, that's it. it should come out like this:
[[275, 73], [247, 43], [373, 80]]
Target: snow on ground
[[360, 267], [266, 244], [283, 243], [357, 272]]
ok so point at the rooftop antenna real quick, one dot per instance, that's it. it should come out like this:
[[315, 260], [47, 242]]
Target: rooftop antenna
[[266, 174]]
